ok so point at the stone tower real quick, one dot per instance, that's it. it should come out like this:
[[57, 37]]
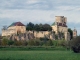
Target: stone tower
[[74, 33], [60, 25], [61, 19]]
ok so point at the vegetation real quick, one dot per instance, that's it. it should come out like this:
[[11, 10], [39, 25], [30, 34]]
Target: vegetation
[[39, 49], [75, 44], [38, 55], [71, 33], [38, 27], [34, 42]]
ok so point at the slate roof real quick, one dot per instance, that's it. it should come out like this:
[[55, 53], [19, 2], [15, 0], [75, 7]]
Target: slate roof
[[17, 24]]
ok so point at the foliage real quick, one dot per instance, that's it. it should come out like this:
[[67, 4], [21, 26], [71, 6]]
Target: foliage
[[75, 44], [31, 43], [49, 43], [38, 27], [71, 33], [30, 26], [10, 42], [17, 43], [4, 41], [37, 42], [24, 43], [47, 27]]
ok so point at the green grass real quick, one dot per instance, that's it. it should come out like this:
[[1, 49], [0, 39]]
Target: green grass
[[39, 55], [32, 48]]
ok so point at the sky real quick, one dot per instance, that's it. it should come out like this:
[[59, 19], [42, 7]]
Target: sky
[[39, 11]]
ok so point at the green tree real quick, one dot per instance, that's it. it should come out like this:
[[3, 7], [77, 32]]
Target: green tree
[[30, 26], [37, 42], [47, 27], [75, 44], [71, 33], [49, 43], [10, 42], [37, 27], [41, 27], [24, 43], [31, 43], [4, 41]]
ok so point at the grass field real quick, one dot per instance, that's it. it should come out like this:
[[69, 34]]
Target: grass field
[[39, 55]]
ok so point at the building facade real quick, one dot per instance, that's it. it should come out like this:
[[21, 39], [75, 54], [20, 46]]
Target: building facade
[[14, 28], [60, 25], [74, 33]]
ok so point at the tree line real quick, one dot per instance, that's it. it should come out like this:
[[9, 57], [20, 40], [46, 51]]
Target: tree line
[[38, 27]]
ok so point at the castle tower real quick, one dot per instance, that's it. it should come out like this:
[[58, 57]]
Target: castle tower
[[74, 33], [61, 19], [60, 25]]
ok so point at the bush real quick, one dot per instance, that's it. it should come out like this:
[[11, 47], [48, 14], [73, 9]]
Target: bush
[[4, 41], [10, 42], [31, 43], [75, 44], [49, 43]]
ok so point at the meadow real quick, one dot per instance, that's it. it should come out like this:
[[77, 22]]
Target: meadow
[[38, 54]]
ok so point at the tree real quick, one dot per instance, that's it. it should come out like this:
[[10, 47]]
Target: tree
[[37, 42], [30, 26], [10, 42], [41, 27], [49, 43], [31, 43], [75, 44], [36, 27], [47, 27], [24, 43], [4, 41], [71, 33]]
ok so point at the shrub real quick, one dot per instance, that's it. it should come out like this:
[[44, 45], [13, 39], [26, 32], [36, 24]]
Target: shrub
[[4, 41], [49, 43], [31, 43], [10, 42], [75, 44]]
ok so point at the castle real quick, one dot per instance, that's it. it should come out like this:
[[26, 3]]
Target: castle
[[59, 26], [14, 28]]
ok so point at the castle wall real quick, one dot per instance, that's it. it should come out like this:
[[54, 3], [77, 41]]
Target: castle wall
[[74, 33], [59, 28], [67, 36], [21, 29], [8, 32], [39, 34], [13, 30], [54, 28], [62, 29], [59, 19]]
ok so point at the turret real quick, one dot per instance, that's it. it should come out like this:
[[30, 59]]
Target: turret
[[74, 33]]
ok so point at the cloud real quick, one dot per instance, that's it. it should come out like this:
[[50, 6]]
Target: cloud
[[32, 1], [39, 11]]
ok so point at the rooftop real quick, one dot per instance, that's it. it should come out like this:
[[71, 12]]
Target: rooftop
[[17, 24]]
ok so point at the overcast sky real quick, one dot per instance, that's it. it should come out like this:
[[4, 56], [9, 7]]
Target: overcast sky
[[39, 11]]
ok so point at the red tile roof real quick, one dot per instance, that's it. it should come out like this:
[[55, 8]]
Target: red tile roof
[[17, 24]]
